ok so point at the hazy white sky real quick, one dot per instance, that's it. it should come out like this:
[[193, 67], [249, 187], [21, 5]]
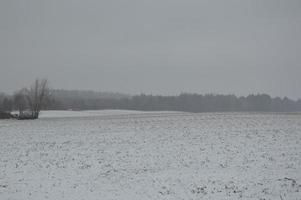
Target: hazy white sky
[[153, 46]]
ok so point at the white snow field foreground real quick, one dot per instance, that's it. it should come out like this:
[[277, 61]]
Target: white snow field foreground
[[100, 155]]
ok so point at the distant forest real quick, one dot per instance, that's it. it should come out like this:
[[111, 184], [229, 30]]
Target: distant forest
[[89, 100]]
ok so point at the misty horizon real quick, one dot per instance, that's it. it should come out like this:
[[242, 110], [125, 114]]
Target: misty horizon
[[153, 94]]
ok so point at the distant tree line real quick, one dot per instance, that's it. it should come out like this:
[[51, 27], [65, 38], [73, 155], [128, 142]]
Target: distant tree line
[[89, 100], [184, 102]]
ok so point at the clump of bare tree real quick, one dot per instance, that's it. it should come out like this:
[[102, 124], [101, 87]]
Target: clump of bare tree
[[37, 96], [33, 99]]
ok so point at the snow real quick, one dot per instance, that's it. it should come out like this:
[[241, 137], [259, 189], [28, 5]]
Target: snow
[[151, 155], [91, 113], [84, 113]]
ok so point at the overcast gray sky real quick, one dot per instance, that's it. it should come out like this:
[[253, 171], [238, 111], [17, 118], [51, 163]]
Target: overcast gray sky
[[153, 46]]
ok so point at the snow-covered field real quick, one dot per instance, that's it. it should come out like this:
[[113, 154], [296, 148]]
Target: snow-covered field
[[151, 155]]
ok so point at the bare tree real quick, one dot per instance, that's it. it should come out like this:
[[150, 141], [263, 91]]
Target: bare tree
[[20, 100], [7, 104], [37, 96]]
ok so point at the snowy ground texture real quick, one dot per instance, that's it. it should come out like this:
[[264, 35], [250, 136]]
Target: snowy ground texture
[[156, 155]]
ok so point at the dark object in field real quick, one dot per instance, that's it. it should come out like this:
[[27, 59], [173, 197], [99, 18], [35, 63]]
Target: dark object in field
[[5, 115], [26, 116]]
